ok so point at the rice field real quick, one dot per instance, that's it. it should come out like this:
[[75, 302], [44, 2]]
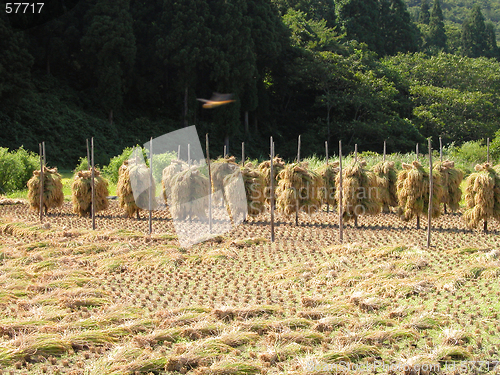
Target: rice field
[[116, 301]]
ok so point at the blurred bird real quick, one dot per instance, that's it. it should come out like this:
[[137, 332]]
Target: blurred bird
[[217, 100]]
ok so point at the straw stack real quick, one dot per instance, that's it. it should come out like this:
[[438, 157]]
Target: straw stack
[[482, 195], [451, 178], [329, 173], [52, 190], [189, 194], [386, 178], [254, 189], [265, 168], [360, 194], [299, 186], [82, 193], [221, 168], [124, 190], [413, 192], [169, 172]]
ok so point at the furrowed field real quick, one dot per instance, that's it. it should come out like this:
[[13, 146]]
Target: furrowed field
[[116, 301]]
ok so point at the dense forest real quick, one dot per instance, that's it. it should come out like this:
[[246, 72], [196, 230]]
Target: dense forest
[[362, 71]]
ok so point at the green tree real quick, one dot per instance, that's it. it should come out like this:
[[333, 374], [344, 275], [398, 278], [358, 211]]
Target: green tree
[[110, 44], [400, 33], [437, 35], [491, 41], [474, 37], [15, 62], [424, 16], [316, 10], [360, 20]]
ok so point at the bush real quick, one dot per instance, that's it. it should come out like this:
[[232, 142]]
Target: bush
[[16, 168], [161, 161], [110, 171], [83, 165]]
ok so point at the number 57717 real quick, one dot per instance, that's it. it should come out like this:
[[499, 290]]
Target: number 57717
[[23, 7]]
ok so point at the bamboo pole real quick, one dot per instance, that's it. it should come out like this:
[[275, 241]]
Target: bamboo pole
[[441, 149], [296, 192], [88, 154], [225, 150], [487, 152], [242, 154], [92, 185], [272, 190], [356, 152], [189, 154], [385, 150], [210, 185], [431, 187], [327, 185], [341, 219], [45, 154], [41, 181], [151, 182], [416, 151], [179, 152]]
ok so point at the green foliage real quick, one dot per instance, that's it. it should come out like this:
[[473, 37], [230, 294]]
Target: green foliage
[[436, 36], [110, 171], [472, 152], [160, 162], [16, 168], [83, 165]]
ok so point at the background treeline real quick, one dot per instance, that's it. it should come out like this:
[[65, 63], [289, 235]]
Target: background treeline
[[363, 71]]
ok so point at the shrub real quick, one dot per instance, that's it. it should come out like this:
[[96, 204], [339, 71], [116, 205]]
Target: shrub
[[110, 171], [83, 165], [16, 168]]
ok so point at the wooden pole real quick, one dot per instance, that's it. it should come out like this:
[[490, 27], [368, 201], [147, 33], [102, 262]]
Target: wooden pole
[[385, 150], [92, 185], [41, 182], [327, 185], [88, 154], [45, 154], [296, 192], [441, 149], [189, 154], [272, 190], [341, 219], [356, 152], [431, 187], [210, 185], [298, 151], [487, 153], [179, 152], [416, 151], [242, 154], [151, 182], [225, 150]]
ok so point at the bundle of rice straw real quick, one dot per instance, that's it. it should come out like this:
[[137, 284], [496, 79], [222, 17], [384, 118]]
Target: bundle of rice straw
[[82, 192], [360, 195], [189, 194], [220, 168], [413, 192], [482, 196], [328, 173], [451, 178], [386, 178], [265, 168], [169, 172], [254, 189], [53, 196], [141, 175], [298, 184]]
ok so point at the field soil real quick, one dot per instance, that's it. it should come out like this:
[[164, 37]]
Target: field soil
[[118, 301]]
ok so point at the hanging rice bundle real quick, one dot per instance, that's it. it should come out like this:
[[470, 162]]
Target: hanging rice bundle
[[169, 172], [82, 192], [189, 194], [451, 178], [482, 196], [298, 186], [254, 189], [328, 173], [265, 168], [360, 194], [141, 176], [53, 196], [220, 168], [413, 192], [386, 179]]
